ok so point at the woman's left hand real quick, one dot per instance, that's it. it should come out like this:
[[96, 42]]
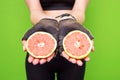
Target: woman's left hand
[[77, 61]]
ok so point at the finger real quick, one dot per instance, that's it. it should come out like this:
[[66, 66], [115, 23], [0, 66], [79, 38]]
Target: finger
[[79, 62], [35, 61], [87, 58], [24, 42], [30, 59], [72, 60], [24, 45], [65, 55], [24, 48], [92, 46], [50, 57], [93, 49], [42, 61]]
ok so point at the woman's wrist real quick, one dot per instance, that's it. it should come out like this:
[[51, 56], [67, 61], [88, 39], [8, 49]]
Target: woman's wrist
[[64, 16], [80, 17], [36, 16]]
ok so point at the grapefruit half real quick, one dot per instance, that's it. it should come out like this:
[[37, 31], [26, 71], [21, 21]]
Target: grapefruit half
[[77, 44], [41, 44]]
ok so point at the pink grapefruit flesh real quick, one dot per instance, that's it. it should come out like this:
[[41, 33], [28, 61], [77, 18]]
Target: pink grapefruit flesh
[[77, 44], [41, 44]]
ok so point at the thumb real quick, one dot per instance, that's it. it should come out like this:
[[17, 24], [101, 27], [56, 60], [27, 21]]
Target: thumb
[[24, 45], [93, 49]]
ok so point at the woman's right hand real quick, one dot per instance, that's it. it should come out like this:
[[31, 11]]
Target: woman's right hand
[[34, 60]]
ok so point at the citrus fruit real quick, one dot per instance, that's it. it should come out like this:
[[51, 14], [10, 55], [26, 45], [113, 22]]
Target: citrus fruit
[[41, 44], [77, 44]]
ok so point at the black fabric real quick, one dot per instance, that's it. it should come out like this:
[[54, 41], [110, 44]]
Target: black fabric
[[64, 69], [66, 15], [46, 25], [68, 25], [57, 4]]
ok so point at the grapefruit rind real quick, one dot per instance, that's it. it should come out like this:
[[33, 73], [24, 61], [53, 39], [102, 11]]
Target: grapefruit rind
[[45, 56], [73, 56]]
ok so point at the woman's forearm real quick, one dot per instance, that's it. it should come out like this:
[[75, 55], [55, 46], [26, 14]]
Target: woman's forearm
[[78, 10], [80, 5], [34, 5], [36, 11]]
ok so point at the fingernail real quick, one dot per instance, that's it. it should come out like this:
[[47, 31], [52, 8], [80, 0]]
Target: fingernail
[[42, 61], [79, 63], [65, 55], [49, 58], [35, 61], [72, 60], [87, 59], [30, 59]]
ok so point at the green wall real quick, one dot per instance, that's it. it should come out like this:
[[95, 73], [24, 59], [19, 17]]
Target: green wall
[[102, 18]]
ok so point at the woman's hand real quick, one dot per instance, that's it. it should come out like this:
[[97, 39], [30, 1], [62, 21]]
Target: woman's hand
[[34, 60], [77, 61], [24, 45]]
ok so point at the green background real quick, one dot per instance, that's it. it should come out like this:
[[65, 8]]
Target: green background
[[102, 18]]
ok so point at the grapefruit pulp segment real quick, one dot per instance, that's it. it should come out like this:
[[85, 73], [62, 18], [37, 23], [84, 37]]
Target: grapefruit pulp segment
[[77, 44], [41, 44]]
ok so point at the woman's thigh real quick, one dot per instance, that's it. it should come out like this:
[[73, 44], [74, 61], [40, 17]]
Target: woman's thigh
[[39, 72], [70, 71]]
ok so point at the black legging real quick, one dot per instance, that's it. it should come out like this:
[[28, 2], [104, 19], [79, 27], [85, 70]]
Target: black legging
[[64, 69]]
